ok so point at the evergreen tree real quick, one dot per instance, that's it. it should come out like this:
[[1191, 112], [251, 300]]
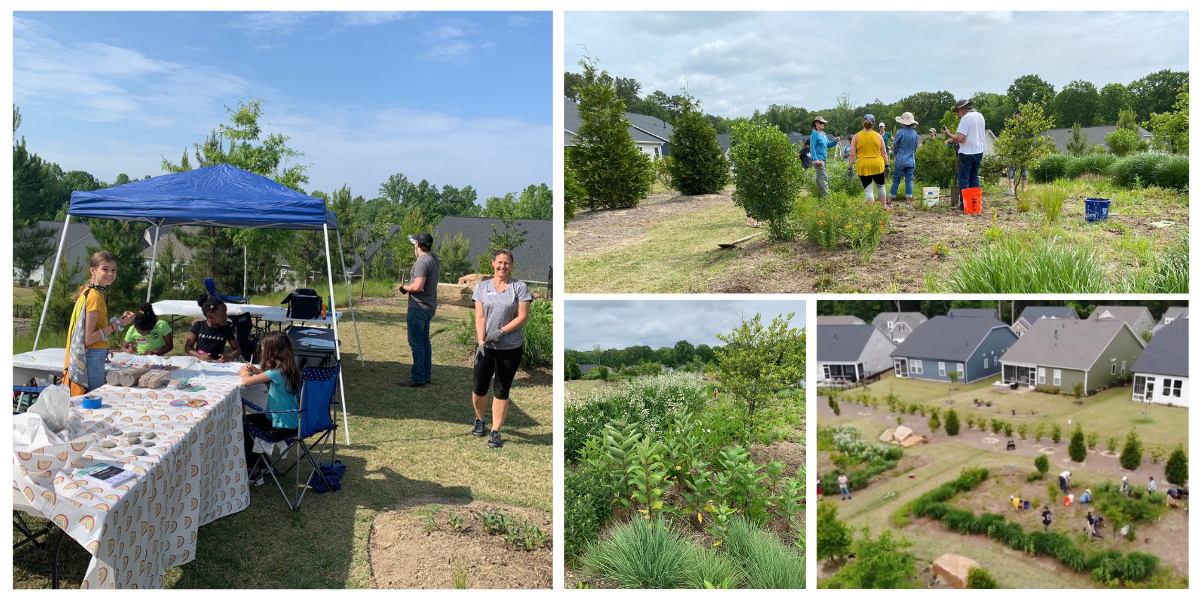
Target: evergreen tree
[[1131, 453], [511, 238], [1078, 144], [698, 164], [951, 423], [1042, 463], [124, 241], [934, 423], [767, 175], [608, 165], [833, 536], [1177, 466], [453, 251], [1078, 447]]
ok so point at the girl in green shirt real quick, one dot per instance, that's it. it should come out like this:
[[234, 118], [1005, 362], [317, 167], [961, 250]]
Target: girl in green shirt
[[149, 335]]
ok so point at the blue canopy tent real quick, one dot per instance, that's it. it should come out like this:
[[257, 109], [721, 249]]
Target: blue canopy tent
[[220, 196]]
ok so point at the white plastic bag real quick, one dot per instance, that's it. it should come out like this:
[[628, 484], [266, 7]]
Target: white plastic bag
[[54, 406]]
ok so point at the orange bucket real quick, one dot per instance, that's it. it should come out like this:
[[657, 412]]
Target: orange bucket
[[972, 200]]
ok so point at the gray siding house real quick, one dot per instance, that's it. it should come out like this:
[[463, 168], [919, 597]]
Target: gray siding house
[[840, 320], [1160, 374], [969, 346], [1138, 317], [1095, 135], [851, 353], [1059, 353], [898, 325], [1172, 314], [1031, 314], [652, 136]]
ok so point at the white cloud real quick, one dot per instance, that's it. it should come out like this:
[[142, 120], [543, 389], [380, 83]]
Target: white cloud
[[370, 18], [274, 22], [443, 33], [519, 20]]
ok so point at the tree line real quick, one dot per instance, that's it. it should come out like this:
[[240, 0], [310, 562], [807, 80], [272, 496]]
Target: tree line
[[1010, 310], [370, 228], [682, 353], [1077, 102]]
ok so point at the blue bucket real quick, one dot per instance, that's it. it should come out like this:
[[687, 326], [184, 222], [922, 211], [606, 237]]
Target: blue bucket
[[1096, 209]]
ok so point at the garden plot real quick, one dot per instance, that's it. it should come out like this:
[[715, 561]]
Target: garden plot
[[622, 251]]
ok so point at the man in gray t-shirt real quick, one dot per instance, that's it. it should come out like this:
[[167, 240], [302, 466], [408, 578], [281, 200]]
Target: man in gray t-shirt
[[422, 304]]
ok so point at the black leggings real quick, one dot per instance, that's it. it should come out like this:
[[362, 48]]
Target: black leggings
[[500, 364], [867, 179]]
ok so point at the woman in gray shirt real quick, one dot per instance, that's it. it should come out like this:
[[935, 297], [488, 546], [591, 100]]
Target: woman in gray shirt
[[501, 309]]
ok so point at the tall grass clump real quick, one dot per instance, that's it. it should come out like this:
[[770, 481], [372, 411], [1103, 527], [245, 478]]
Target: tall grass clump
[[652, 402], [641, 554], [1017, 267], [1090, 164], [1050, 168], [1145, 169], [539, 335], [1050, 201], [708, 566], [769, 564]]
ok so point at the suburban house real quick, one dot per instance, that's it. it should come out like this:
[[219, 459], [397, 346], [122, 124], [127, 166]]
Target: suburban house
[[652, 135], [534, 258], [1172, 314], [583, 369], [851, 353], [981, 313], [989, 139], [840, 320], [898, 325], [1095, 135], [1059, 353], [797, 140], [1138, 317], [968, 346], [75, 249], [1031, 314], [1160, 374]]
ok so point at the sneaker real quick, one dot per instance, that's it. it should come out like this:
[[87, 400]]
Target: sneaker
[[411, 383], [494, 440], [255, 478], [479, 430]]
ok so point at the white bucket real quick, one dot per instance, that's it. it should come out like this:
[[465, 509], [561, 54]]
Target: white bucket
[[931, 195]]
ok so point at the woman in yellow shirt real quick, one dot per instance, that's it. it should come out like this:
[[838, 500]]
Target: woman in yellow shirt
[[96, 327], [868, 155]]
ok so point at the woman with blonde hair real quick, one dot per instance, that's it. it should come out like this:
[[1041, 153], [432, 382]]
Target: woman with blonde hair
[[868, 154], [87, 334]]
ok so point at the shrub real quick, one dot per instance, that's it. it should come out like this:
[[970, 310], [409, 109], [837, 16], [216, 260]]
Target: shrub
[[1121, 141], [1078, 448], [1042, 463], [951, 422], [833, 405], [767, 562], [697, 163], [1093, 440], [608, 166], [641, 555], [767, 175], [1156, 453], [1017, 266], [1131, 453], [1143, 169], [1111, 444], [882, 563], [1090, 164], [653, 402], [934, 165], [1039, 432], [539, 335], [833, 536], [1177, 466], [978, 579], [1050, 168], [1022, 430], [1056, 432], [1008, 429], [934, 423], [820, 221], [586, 504], [997, 425], [1034, 476], [708, 566]]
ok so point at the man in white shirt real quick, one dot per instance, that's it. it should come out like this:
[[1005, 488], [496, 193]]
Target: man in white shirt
[[971, 145]]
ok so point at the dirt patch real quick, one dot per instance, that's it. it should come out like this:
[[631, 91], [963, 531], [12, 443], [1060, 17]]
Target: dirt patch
[[406, 556], [602, 230]]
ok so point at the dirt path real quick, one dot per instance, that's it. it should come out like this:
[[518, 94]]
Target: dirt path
[[602, 230]]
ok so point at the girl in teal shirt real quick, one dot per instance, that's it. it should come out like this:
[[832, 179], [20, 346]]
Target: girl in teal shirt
[[278, 371]]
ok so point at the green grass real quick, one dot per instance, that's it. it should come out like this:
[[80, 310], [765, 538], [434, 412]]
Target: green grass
[[918, 390], [409, 447], [23, 295]]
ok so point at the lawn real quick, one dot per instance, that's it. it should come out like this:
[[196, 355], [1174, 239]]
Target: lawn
[[410, 448], [24, 295], [669, 243]]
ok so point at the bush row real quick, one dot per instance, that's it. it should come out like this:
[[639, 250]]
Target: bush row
[[1141, 169]]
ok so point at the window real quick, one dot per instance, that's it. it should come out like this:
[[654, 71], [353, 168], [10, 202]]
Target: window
[[1041, 376], [1167, 321], [1122, 368], [962, 373], [1114, 368], [916, 366], [1139, 386], [891, 324], [826, 368], [941, 369], [1057, 377], [985, 362], [878, 361], [879, 342], [1178, 389]]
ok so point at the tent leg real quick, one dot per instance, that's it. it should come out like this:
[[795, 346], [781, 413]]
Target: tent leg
[[50, 289], [349, 300], [333, 313], [153, 261], [245, 269]]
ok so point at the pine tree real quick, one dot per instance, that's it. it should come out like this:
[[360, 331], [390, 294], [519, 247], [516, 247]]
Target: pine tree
[[1078, 447], [607, 163], [952, 423], [1078, 144], [698, 164], [934, 423], [1177, 466], [1131, 454]]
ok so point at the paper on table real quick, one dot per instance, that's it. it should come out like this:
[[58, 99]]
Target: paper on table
[[316, 343], [105, 474]]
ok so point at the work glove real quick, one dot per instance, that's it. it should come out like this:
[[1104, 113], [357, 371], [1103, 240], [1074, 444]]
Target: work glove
[[402, 290], [494, 336], [478, 351]]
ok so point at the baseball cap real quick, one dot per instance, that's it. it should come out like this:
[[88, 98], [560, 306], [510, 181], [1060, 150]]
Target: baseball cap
[[869, 117], [424, 240]]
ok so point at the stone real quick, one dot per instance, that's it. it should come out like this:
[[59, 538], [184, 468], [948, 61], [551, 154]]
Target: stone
[[147, 444], [448, 293], [472, 280], [912, 440], [135, 440], [902, 432], [138, 452], [108, 444], [150, 435], [953, 568], [888, 435]]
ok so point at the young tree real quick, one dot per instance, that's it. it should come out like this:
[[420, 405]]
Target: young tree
[[1042, 463], [833, 536], [759, 362], [511, 238], [934, 423], [453, 253], [1078, 447], [607, 163], [951, 422], [1171, 128], [1022, 144], [1121, 141], [767, 175], [1177, 466], [602, 372], [882, 564], [1078, 144], [698, 164], [1131, 453], [170, 273]]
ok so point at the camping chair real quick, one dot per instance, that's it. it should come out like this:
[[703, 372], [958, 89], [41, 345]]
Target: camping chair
[[21, 505], [211, 287], [24, 396], [318, 428], [243, 327]]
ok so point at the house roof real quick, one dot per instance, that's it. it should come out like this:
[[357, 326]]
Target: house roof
[[912, 318], [1167, 352], [585, 368], [723, 139], [641, 127], [1175, 312], [533, 258], [1095, 135], [78, 234], [985, 313], [842, 343], [947, 338], [840, 320], [1064, 343], [182, 252], [1033, 313], [1128, 314]]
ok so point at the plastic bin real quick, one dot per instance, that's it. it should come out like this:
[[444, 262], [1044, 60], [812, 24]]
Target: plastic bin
[[931, 195], [1096, 209], [972, 200]]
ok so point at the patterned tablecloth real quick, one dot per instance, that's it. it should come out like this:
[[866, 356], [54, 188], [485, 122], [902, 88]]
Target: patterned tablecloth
[[194, 474]]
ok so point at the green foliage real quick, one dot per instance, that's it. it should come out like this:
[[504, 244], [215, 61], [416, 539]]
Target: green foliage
[[826, 222], [1121, 142], [640, 554], [951, 422], [697, 164], [1022, 144], [767, 175], [1093, 439], [833, 536], [534, 202], [1051, 200], [767, 562], [757, 363], [934, 165], [709, 567], [979, 579], [1056, 432], [1171, 128], [833, 405], [453, 253], [1131, 452], [880, 563], [1018, 266], [607, 164], [1078, 144], [1177, 466], [511, 237], [1143, 169], [934, 423], [573, 194], [1077, 448], [650, 403], [1022, 430], [58, 314], [1039, 432], [1042, 463], [539, 335]]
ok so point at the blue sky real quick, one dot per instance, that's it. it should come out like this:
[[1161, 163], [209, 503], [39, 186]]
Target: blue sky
[[737, 62], [455, 98], [658, 323]]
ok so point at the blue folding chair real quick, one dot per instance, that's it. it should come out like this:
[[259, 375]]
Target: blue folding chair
[[24, 396], [317, 432], [210, 286]]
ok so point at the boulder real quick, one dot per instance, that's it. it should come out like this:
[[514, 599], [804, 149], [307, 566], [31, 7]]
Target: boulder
[[449, 293], [472, 280], [902, 432], [887, 436], [953, 569], [912, 440]]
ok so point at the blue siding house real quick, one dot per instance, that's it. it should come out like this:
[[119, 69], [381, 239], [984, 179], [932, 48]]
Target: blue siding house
[[970, 346]]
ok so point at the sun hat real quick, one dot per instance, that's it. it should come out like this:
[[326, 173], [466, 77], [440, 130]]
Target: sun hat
[[819, 118], [932, 130], [869, 117], [906, 119], [964, 103]]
